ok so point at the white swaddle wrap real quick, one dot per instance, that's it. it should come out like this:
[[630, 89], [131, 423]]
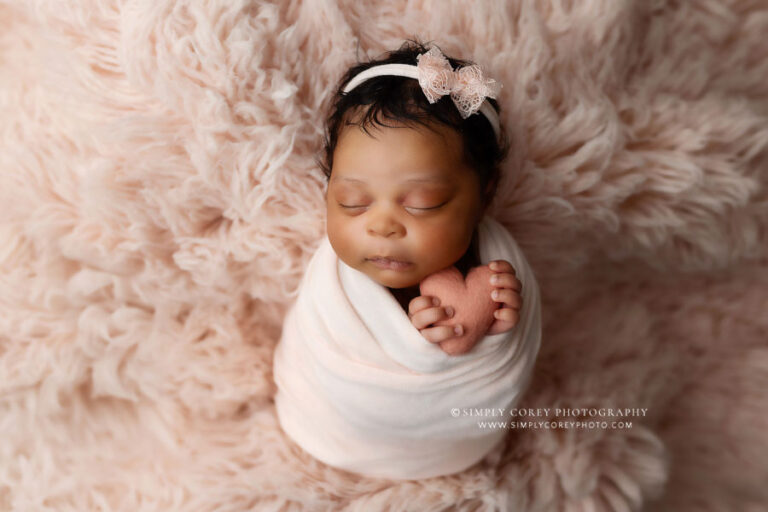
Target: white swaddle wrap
[[360, 389]]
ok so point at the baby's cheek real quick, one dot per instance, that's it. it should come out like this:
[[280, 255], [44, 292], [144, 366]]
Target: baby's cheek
[[446, 242], [340, 238]]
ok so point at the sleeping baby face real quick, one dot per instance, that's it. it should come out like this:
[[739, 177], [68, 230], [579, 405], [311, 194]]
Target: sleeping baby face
[[401, 204]]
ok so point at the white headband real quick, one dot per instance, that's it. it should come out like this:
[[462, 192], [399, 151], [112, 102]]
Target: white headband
[[467, 86]]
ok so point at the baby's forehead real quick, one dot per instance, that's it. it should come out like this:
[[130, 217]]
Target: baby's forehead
[[396, 148], [401, 140], [434, 180]]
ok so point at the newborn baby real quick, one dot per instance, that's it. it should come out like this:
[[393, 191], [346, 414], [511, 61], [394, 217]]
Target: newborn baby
[[368, 378], [402, 206]]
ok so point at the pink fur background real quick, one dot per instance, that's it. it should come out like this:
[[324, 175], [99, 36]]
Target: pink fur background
[[159, 201]]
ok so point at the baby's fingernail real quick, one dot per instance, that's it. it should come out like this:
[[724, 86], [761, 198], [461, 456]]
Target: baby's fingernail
[[495, 294], [458, 330], [449, 311], [494, 266], [435, 301], [494, 279]]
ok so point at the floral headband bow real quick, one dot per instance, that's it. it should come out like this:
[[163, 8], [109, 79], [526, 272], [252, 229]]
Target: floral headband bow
[[466, 85]]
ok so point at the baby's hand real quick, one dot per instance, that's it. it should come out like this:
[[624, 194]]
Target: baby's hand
[[508, 288], [425, 311]]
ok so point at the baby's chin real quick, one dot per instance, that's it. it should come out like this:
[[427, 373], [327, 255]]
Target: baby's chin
[[392, 279], [398, 286]]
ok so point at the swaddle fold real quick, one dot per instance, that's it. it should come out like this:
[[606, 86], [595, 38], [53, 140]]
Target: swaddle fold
[[360, 389]]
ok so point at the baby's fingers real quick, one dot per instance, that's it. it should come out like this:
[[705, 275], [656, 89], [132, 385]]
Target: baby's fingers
[[425, 317], [442, 333], [501, 266], [506, 280], [506, 319], [421, 303], [509, 297], [508, 315]]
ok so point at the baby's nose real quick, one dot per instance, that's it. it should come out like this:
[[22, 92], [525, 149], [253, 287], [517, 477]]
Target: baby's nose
[[386, 227]]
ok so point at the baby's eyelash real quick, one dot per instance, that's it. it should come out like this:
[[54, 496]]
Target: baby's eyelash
[[430, 208], [349, 207]]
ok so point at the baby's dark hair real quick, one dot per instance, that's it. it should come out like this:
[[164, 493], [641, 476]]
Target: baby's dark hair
[[402, 100]]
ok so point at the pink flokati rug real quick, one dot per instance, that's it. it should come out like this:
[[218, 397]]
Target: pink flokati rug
[[159, 201]]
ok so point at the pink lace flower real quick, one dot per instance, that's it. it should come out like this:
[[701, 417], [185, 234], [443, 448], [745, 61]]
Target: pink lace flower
[[467, 86]]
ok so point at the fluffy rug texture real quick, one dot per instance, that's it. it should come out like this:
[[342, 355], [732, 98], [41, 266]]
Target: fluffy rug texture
[[160, 200]]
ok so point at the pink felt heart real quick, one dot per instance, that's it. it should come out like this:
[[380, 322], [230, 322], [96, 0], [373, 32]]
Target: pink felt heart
[[470, 299]]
